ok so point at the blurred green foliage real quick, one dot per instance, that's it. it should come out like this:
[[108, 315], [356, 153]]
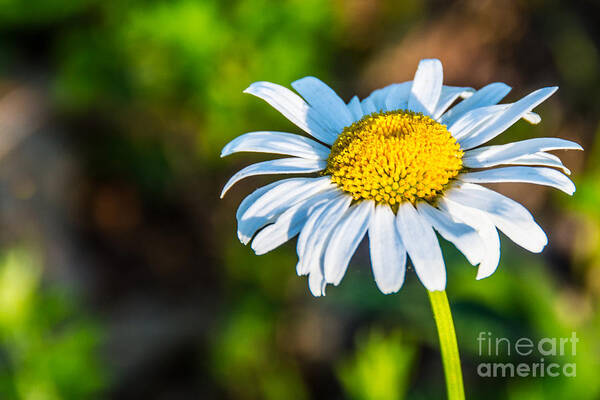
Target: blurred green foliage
[[38, 12], [381, 368], [245, 360], [48, 348], [190, 60]]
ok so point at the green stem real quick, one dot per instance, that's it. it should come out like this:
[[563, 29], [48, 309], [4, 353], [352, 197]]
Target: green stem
[[448, 345]]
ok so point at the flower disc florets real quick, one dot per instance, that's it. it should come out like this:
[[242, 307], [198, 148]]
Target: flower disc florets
[[392, 157]]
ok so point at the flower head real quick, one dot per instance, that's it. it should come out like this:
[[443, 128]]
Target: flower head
[[398, 165], [392, 157]]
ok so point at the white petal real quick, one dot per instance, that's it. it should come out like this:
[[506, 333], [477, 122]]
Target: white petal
[[252, 197], [388, 256], [512, 114], [426, 87], [315, 233], [325, 100], [479, 119], [494, 155], [488, 234], [479, 197], [475, 120], [379, 96], [344, 239], [486, 96], [509, 216], [541, 159], [396, 97], [537, 175], [465, 238], [293, 108], [316, 283], [303, 267], [355, 109], [532, 118], [264, 207], [277, 143], [449, 96], [289, 223], [279, 166], [311, 259], [422, 247], [368, 106]]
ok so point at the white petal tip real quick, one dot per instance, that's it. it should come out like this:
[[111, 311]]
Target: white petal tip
[[578, 147], [532, 118], [387, 291], [436, 287], [485, 272], [250, 89], [316, 284], [334, 280], [467, 93], [226, 151], [258, 251], [539, 248], [232, 181], [300, 269], [430, 60], [306, 78], [243, 238]]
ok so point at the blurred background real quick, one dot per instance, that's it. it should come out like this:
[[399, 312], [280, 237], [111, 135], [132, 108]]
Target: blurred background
[[121, 276]]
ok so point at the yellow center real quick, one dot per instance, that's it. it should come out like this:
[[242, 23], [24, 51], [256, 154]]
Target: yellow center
[[393, 157]]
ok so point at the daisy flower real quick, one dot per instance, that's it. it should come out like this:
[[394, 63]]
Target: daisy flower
[[397, 166]]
